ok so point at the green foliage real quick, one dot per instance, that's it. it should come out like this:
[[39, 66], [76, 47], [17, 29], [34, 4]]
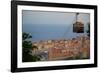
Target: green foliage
[[26, 36], [27, 57], [88, 31], [27, 48], [36, 58]]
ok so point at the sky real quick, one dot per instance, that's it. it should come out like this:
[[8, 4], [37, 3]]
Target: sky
[[43, 25]]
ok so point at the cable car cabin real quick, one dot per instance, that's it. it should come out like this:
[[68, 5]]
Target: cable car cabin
[[78, 27]]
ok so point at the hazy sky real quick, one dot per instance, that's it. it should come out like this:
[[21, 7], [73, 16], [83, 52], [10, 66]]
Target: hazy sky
[[51, 25]]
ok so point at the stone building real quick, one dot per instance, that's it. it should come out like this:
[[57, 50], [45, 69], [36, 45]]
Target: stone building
[[62, 49]]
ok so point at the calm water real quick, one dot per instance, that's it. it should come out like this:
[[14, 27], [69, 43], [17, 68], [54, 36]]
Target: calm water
[[46, 32]]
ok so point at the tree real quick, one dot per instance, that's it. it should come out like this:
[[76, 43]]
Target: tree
[[88, 31], [27, 47]]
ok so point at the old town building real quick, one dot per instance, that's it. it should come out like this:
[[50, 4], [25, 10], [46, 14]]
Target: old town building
[[63, 49]]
